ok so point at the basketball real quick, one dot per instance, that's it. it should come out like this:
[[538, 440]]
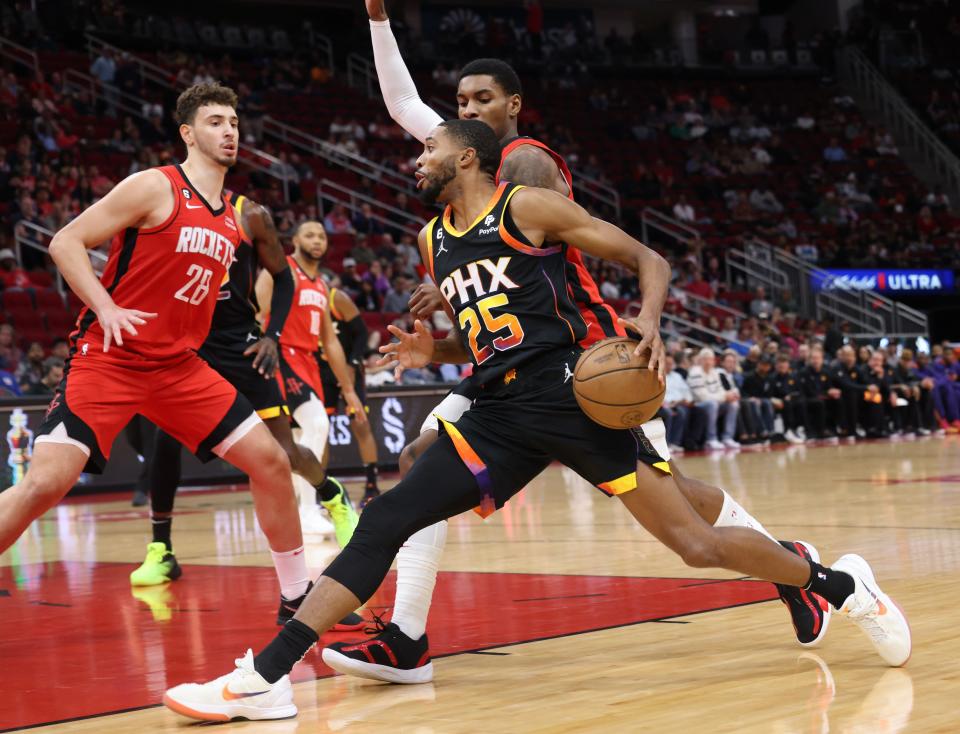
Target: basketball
[[613, 385]]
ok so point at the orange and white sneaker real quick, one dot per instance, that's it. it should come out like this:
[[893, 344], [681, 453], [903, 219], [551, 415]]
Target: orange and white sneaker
[[873, 611], [241, 694]]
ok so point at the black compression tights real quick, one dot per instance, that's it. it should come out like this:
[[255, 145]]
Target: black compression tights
[[164, 473], [438, 487]]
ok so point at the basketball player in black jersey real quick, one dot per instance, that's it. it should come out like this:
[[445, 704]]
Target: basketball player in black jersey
[[247, 358], [490, 90], [352, 333], [502, 274]]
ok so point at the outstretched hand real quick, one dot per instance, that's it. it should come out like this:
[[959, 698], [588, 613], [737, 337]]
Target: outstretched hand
[[115, 320], [410, 352], [649, 332], [376, 10]]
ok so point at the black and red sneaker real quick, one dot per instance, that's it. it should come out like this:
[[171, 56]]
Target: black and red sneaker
[[389, 656], [288, 608], [370, 493], [809, 612]]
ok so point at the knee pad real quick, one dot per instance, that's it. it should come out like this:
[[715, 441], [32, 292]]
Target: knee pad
[[314, 426]]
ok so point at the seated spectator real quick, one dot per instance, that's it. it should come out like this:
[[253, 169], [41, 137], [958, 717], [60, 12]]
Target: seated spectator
[[361, 252], [719, 402], [337, 221], [52, 375], [683, 211], [834, 153], [764, 200], [788, 400], [349, 279], [31, 371], [60, 348], [10, 354], [756, 400], [677, 403], [377, 279], [365, 223], [398, 296], [760, 303], [11, 274], [907, 385], [823, 397]]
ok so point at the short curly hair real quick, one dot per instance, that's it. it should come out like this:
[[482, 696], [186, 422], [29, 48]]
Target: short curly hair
[[195, 97]]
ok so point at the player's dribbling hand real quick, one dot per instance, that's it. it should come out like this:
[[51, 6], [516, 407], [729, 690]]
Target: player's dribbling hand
[[376, 10], [411, 351], [265, 361], [354, 406], [115, 320], [649, 339], [425, 300]]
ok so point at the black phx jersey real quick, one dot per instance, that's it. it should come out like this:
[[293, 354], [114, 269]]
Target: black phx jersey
[[510, 298], [236, 302]]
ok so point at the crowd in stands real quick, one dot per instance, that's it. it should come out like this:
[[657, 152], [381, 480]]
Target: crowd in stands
[[775, 395]]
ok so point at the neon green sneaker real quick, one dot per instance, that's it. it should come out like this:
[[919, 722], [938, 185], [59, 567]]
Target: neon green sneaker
[[344, 517], [159, 567]]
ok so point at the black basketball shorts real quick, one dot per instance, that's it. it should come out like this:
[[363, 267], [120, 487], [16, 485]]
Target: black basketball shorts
[[223, 350], [514, 430]]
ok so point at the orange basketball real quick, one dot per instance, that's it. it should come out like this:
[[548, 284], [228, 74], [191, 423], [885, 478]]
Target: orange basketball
[[614, 387]]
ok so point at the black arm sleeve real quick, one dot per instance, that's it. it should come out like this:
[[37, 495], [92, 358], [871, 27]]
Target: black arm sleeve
[[280, 303], [355, 332]]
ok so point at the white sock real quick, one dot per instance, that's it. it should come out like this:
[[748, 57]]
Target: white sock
[[292, 572], [417, 564], [733, 515]]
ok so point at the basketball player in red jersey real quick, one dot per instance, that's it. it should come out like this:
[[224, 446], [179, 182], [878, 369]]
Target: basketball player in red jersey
[[307, 326], [489, 90], [133, 351]]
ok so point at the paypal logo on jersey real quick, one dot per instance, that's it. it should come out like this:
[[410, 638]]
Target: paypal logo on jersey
[[487, 228]]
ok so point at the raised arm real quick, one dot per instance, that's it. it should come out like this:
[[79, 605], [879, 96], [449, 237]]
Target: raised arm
[[144, 199], [397, 86], [546, 216]]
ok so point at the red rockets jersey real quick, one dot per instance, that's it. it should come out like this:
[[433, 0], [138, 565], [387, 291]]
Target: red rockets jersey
[[310, 298], [174, 270], [600, 319]]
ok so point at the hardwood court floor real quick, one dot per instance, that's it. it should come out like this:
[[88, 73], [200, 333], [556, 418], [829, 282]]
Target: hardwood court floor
[[558, 614]]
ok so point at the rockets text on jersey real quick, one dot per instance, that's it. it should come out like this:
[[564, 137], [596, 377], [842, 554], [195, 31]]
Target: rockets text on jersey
[[310, 298]]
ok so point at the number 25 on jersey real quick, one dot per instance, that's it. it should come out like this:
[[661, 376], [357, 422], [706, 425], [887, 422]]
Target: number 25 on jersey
[[473, 323]]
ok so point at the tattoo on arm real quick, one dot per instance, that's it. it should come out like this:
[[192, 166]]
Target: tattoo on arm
[[531, 166]]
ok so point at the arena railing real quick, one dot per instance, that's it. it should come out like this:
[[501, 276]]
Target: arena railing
[[654, 221], [19, 54], [387, 215], [875, 92], [113, 96], [315, 146], [691, 332], [36, 237], [362, 75], [868, 312]]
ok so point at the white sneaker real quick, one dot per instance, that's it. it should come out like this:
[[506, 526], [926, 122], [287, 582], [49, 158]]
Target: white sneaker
[[879, 616], [731, 444], [240, 694], [792, 437], [674, 449], [314, 521], [714, 445]]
